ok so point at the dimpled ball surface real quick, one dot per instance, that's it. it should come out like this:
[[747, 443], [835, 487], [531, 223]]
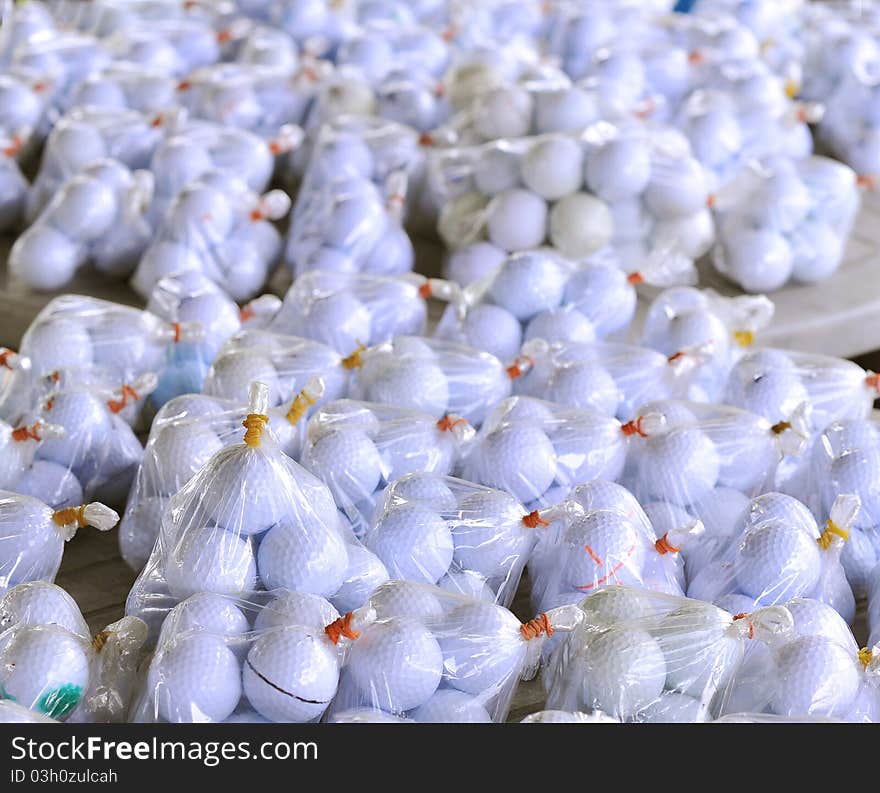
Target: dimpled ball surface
[[413, 542], [347, 461], [406, 599], [681, 466], [210, 559], [412, 383], [777, 562], [296, 608], [449, 706]]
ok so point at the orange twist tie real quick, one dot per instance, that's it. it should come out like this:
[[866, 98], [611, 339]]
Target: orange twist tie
[[184, 85], [118, 405], [256, 215], [781, 426], [744, 616], [30, 432], [872, 380], [176, 326], [663, 546], [447, 423], [40, 86], [4, 357], [354, 361], [246, 313], [50, 402], [449, 34], [536, 627], [634, 427], [865, 180], [710, 201], [635, 278], [426, 139], [676, 356], [55, 376], [695, 57], [224, 37], [157, 121], [533, 520], [14, 146], [254, 423], [68, 515], [425, 290], [514, 370], [341, 627]]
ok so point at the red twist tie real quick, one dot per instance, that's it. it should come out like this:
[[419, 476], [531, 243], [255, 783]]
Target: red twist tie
[[635, 278], [30, 432]]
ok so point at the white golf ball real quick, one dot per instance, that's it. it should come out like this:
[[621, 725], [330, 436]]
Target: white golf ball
[[41, 603], [210, 559], [619, 170], [407, 599], [760, 260], [681, 466], [448, 706], [210, 612], [517, 220], [777, 562], [411, 383], [528, 284], [580, 224], [44, 257], [296, 608], [347, 461], [678, 188], [552, 167]]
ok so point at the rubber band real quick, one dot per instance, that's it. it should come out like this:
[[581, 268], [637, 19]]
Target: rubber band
[[831, 531], [534, 519], [536, 627], [866, 655], [354, 361], [254, 423], [70, 515], [663, 546], [341, 627], [634, 427], [118, 405]]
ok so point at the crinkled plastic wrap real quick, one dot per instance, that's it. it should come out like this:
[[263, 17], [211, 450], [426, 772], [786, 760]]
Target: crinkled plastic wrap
[[219, 227], [358, 448], [775, 551], [251, 519], [684, 453], [816, 672], [99, 215], [34, 534], [349, 210], [345, 310], [88, 134], [785, 220], [126, 85], [537, 451], [873, 607], [610, 378], [645, 657], [463, 537], [721, 328], [432, 375], [25, 101], [51, 666], [569, 717], [437, 656], [13, 184]]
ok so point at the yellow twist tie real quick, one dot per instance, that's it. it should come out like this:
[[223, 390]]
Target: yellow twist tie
[[100, 640], [354, 361], [745, 338], [254, 423], [300, 405], [791, 89], [68, 515], [831, 530], [866, 655]]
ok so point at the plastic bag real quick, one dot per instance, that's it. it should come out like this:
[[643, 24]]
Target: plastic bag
[[610, 378], [13, 184], [252, 519], [345, 310], [538, 451], [25, 99], [569, 717], [223, 659], [88, 134], [776, 552], [646, 657], [785, 220], [873, 610], [34, 535], [50, 664], [722, 328], [221, 228], [436, 656], [432, 375], [98, 216], [463, 537], [357, 448]]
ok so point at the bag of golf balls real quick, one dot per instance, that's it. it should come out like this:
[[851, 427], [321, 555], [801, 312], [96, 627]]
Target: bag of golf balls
[[13, 184], [88, 134], [25, 99], [96, 342], [126, 85], [785, 220], [569, 717], [610, 378], [436, 376], [15, 384], [817, 670], [439, 656], [640, 656], [537, 451], [723, 328], [34, 535], [252, 519], [18, 447], [463, 537], [683, 453], [345, 310], [51, 665], [276, 658], [221, 228], [776, 552], [98, 216], [357, 448]]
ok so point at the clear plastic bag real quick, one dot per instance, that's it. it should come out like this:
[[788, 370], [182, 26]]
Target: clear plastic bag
[[784, 220], [610, 378], [722, 328], [88, 134], [123, 85], [219, 227], [537, 451], [873, 609], [463, 537], [569, 717], [345, 310], [645, 657], [50, 665], [251, 519], [437, 656], [25, 101], [13, 184], [432, 375], [776, 552], [34, 535], [357, 448], [98, 215]]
